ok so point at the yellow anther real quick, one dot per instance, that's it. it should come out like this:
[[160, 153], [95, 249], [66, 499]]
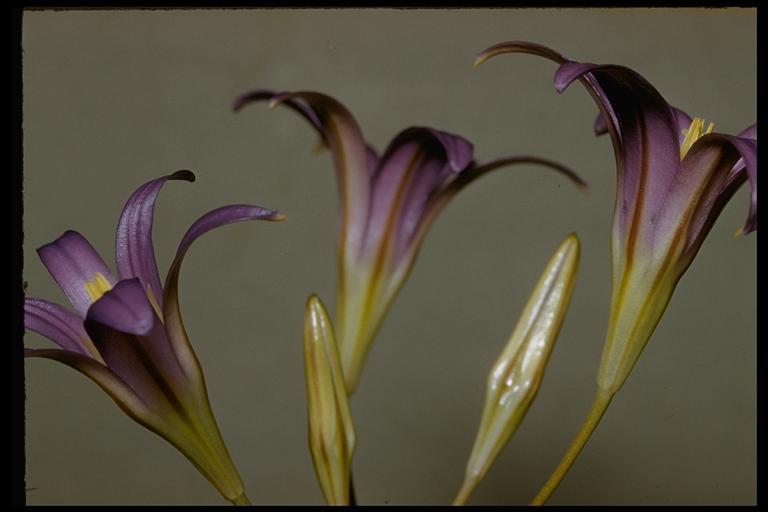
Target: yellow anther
[[694, 133], [97, 286]]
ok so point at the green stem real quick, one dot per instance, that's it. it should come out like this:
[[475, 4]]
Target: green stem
[[599, 406], [352, 496], [466, 489], [241, 500]]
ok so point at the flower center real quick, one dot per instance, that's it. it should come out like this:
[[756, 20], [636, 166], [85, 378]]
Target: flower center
[[694, 133], [97, 286]]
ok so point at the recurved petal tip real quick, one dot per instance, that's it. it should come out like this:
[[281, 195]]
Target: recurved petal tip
[[277, 99], [251, 97], [183, 175], [519, 47]]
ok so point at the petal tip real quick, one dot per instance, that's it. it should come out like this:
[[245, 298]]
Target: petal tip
[[183, 175], [277, 99]]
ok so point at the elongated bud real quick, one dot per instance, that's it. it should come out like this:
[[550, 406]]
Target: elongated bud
[[331, 431], [516, 375]]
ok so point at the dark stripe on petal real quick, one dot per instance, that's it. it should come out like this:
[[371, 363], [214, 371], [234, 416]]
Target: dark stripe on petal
[[416, 163], [73, 263], [134, 251], [647, 149], [693, 202]]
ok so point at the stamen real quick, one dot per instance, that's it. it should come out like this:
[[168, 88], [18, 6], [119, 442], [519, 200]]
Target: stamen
[[97, 286], [694, 133]]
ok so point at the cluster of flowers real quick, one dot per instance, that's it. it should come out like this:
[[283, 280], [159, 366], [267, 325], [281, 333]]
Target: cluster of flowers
[[674, 176]]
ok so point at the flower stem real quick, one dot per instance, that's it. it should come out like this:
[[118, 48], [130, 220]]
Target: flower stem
[[599, 406], [466, 489], [352, 497], [241, 500]]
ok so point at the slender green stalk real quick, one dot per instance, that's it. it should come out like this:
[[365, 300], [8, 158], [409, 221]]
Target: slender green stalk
[[241, 500], [466, 489], [352, 495], [599, 406]]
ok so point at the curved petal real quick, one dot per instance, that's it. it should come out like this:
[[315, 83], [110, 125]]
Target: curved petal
[[699, 192], [548, 53], [682, 120], [351, 157], [59, 325], [300, 108], [747, 146], [646, 145], [372, 160], [744, 169], [440, 200], [107, 380], [519, 47], [130, 337], [643, 130], [125, 308], [416, 162], [171, 313], [134, 251], [77, 268], [749, 133]]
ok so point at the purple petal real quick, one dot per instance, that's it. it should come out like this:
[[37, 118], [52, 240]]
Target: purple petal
[[643, 129], [682, 120], [59, 325], [221, 217], [351, 158], [440, 199], [171, 313], [372, 160], [645, 139], [107, 380], [746, 145], [519, 47], [265, 94], [738, 169], [133, 246], [699, 192], [749, 133], [125, 308], [548, 53], [77, 268], [132, 341], [416, 162]]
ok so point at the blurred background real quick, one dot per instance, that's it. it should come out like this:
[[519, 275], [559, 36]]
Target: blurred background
[[115, 98]]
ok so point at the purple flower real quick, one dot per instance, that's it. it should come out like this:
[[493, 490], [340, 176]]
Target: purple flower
[[387, 203], [127, 335], [674, 176]]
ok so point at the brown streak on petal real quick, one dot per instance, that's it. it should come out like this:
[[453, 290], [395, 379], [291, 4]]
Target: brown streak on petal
[[385, 248]]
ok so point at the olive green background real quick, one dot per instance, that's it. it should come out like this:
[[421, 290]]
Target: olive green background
[[115, 98]]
